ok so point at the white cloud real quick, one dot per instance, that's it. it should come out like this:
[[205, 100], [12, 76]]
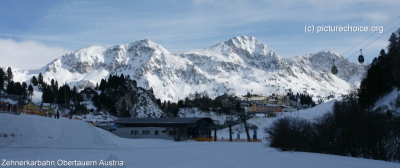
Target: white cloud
[[377, 17], [27, 54]]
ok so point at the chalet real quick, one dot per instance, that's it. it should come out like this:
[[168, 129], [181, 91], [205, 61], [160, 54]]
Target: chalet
[[164, 128], [226, 100], [258, 99], [88, 93]]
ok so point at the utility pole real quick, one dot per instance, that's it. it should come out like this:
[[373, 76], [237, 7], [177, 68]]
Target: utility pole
[[245, 127], [244, 117], [229, 122]]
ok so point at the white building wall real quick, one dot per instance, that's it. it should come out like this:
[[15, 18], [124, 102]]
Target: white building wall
[[144, 133]]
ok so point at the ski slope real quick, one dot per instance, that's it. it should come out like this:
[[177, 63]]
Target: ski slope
[[32, 138]]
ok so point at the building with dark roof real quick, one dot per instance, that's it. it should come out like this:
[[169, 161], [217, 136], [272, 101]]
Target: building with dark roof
[[164, 128], [88, 93]]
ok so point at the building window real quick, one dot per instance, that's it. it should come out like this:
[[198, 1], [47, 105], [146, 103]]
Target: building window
[[134, 132], [155, 132], [145, 132]]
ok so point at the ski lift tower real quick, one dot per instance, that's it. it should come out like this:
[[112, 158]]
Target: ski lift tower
[[229, 122]]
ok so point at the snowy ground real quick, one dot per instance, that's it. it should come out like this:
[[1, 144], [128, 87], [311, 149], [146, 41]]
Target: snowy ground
[[36, 138]]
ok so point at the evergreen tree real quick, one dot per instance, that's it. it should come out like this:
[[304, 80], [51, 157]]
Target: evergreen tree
[[103, 84], [60, 96], [40, 79], [10, 75], [2, 77], [18, 90], [10, 88], [47, 96], [378, 81], [24, 86], [34, 81], [180, 103], [394, 56], [124, 111], [54, 88], [134, 83], [30, 90]]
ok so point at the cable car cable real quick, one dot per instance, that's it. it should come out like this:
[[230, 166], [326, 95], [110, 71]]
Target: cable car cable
[[369, 37], [373, 40], [334, 67]]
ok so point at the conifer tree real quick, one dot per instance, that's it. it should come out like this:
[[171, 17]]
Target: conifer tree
[[2, 77], [394, 55], [10, 88], [47, 96], [18, 90], [124, 110], [10, 75], [30, 90], [40, 79], [379, 78], [34, 81]]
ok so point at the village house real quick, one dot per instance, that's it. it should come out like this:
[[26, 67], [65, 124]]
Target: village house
[[257, 99], [226, 100], [269, 108], [88, 93], [265, 108]]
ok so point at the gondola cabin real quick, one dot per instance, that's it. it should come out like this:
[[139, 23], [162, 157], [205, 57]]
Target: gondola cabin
[[334, 70], [361, 59]]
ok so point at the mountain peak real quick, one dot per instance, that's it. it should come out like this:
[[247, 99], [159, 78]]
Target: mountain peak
[[245, 42], [145, 44], [244, 38], [329, 53]]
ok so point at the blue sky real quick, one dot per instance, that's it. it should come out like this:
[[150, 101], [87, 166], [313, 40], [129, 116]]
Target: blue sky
[[35, 32]]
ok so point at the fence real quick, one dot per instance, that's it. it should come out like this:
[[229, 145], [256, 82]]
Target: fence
[[239, 140], [227, 140]]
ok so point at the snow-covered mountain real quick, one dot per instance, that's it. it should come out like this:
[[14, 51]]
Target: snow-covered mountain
[[240, 65]]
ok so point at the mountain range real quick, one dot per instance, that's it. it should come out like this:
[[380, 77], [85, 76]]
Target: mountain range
[[240, 65]]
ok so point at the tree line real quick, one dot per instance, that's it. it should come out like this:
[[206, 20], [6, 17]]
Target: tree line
[[224, 104], [303, 98], [8, 86]]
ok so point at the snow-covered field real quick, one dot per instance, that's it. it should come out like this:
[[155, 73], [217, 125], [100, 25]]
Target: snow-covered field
[[61, 141]]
